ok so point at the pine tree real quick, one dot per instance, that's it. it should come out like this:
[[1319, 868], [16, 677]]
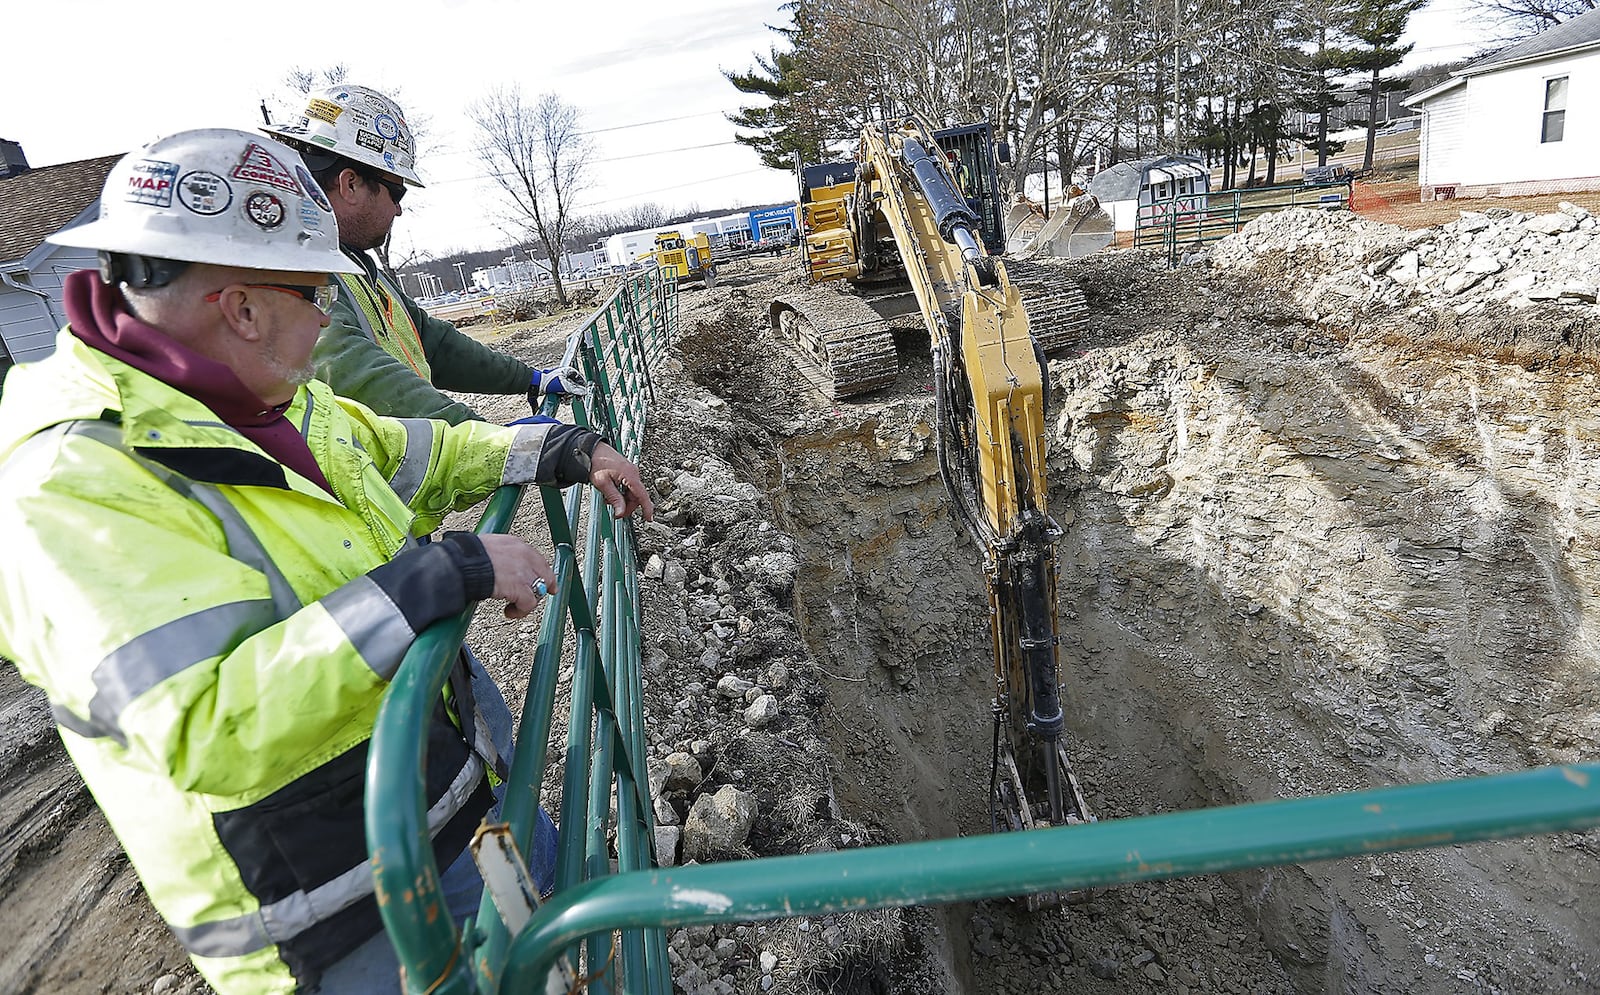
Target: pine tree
[[787, 129], [1377, 26]]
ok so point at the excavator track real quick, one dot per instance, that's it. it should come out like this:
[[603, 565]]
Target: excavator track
[[841, 344], [1057, 311]]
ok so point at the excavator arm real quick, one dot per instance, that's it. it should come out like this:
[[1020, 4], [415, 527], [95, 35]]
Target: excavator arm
[[990, 409]]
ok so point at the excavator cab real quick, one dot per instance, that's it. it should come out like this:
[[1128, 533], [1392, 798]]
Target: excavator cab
[[971, 153]]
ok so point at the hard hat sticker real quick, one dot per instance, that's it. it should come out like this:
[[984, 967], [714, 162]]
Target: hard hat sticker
[[368, 140], [310, 217], [264, 210], [204, 192], [386, 126], [259, 166], [150, 182], [313, 188], [323, 110]]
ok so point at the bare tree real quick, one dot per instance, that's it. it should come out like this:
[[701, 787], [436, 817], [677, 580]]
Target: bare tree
[[540, 159], [288, 100], [1516, 19]]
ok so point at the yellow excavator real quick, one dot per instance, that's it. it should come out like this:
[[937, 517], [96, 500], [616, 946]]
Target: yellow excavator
[[908, 219]]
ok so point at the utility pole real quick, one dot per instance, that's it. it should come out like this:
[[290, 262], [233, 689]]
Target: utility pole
[[1177, 104]]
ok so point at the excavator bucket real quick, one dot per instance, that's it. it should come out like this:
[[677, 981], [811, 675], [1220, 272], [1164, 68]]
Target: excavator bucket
[[1077, 229]]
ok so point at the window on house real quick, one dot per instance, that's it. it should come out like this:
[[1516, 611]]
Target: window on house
[[1555, 110]]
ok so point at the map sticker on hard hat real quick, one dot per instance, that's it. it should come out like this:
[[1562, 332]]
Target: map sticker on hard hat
[[204, 192], [259, 166], [150, 182], [313, 188], [264, 210], [324, 110]]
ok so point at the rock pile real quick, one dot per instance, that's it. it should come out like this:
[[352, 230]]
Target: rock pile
[[737, 767], [1339, 265]]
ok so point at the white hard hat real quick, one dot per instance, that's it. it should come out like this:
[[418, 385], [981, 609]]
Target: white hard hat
[[358, 123], [230, 198]]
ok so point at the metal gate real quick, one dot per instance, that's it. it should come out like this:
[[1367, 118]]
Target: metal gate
[[1187, 222]]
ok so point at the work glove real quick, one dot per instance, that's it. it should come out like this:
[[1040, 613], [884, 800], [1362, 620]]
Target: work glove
[[534, 420], [553, 381]]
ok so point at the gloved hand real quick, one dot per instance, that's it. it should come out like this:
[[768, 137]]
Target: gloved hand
[[534, 420], [551, 382]]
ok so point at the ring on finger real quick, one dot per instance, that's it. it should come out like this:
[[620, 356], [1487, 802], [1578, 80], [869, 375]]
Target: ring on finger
[[540, 588]]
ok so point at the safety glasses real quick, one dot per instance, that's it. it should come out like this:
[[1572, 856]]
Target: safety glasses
[[397, 191], [322, 296]]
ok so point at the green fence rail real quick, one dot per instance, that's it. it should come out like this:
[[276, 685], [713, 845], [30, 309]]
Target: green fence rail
[[596, 597], [605, 926], [1185, 221]]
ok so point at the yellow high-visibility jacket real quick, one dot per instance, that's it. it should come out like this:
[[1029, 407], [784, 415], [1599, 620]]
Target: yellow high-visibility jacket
[[215, 634]]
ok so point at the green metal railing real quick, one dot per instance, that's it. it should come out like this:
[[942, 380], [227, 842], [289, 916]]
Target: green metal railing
[[1187, 220], [608, 923], [597, 591]]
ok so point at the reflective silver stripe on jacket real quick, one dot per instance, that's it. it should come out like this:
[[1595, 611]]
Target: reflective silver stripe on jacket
[[242, 542], [522, 464], [151, 657], [305, 422], [413, 468], [294, 914], [372, 623]]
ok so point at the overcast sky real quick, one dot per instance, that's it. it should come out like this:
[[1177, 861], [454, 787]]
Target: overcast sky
[[91, 77]]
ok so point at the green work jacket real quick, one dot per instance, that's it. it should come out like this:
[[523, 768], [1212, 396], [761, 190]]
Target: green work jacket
[[384, 350]]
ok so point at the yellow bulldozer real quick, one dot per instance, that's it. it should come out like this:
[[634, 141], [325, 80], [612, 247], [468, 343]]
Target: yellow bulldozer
[[686, 259]]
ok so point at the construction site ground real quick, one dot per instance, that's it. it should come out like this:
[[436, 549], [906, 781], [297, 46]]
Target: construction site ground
[[1314, 541]]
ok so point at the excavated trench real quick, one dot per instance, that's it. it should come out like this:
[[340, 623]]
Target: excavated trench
[[1296, 560], [1298, 557]]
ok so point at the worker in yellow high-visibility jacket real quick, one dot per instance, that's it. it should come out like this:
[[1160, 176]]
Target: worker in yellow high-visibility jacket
[[211, 566]]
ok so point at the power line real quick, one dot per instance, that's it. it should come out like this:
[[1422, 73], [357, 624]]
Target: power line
[[686, 148], [597, 131], [620, 158]]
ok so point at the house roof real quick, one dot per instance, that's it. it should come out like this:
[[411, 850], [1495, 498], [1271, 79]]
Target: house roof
[[1418, 99], [1581, 32], [1123, 180], [38, 202]]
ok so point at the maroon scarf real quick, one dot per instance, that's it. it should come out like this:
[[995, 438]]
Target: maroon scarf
[[98, 315]]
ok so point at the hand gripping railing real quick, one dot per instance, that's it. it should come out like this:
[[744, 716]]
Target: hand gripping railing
[[605, 747]]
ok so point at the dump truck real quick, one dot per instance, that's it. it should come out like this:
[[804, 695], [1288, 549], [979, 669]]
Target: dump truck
[[686, 259]]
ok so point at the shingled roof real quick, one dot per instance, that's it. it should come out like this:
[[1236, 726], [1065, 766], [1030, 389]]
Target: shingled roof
[[41, 200]]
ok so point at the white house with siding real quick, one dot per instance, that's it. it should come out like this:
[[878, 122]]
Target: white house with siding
[[34, 203], [1525, 120]]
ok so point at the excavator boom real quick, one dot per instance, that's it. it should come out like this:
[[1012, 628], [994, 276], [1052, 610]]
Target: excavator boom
[[908, 213]]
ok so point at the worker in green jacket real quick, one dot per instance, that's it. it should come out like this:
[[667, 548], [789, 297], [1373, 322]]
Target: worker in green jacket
[[382, 348], [211, 564]]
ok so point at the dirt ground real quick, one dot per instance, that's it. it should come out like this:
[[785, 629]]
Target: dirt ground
[[1225, 613]]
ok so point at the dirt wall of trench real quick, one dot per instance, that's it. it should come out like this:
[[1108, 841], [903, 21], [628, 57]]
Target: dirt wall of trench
[[1296, 560]]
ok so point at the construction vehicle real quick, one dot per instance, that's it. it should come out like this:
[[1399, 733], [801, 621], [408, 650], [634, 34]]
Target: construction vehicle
[[839, 327], [686, 259], [913, 215]]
